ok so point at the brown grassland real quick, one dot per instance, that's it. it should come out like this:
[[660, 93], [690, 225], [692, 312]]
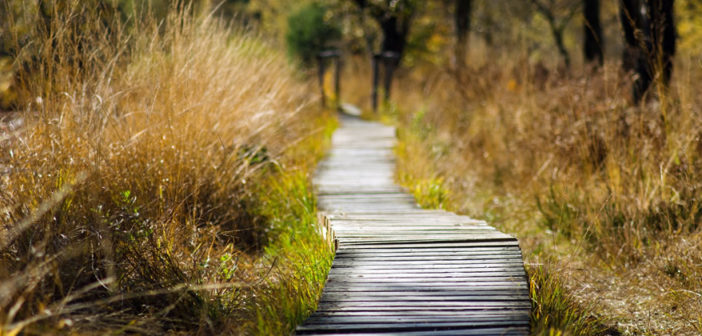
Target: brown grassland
[[603, 195], [159, 183]]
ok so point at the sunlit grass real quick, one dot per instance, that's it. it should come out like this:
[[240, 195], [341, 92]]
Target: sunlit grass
[[160, 182]]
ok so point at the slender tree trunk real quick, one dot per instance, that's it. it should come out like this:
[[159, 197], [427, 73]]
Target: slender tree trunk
[[650, 42], [394, 36], [594, 44], [663, 38], [395, 25], [638, 46], [557, 32], [393, 47], [557, 29], [631, 21], [463, 9]]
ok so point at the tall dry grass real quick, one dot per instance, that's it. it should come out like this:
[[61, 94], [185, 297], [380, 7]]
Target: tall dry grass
[[133, 198], [602, 193]]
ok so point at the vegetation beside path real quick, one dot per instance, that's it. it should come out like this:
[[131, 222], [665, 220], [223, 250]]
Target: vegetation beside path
[[160, 183], [603, 195]]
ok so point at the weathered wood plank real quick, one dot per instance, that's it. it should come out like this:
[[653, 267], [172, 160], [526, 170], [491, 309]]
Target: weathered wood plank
[[468, 244], [412, 325], [370, 273], [427, 252], [505, 331], [447, 288], [355, 297], [448, 319]]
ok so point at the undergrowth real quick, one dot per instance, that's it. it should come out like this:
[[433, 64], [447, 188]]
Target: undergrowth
[[554, 311], [159, 184]]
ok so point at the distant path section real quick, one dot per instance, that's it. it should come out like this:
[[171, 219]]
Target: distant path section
[[402, 270]]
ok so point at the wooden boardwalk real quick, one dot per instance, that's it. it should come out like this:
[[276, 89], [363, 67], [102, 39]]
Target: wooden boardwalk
[[401, 270]]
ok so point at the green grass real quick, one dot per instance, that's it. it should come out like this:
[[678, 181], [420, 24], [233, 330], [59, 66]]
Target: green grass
[[300, 257], [554, 312]]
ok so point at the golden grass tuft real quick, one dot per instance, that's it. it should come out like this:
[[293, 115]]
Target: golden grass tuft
[[131, 199]]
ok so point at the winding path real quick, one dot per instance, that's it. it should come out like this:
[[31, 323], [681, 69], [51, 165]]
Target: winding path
[[402, 270]]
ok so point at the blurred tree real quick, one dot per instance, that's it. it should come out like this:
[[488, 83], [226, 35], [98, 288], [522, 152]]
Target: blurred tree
[[309, 33], [462, 13], [394, 17], [631, 21], [592, 29], [272, 15], [650, 37], [557, 21], [663, 38]]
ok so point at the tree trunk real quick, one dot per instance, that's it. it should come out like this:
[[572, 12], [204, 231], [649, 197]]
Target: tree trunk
[[557, 29], [393, 46], [663, 38], [558, 37], [638, 46], [632, 22], [594, 44], [650, 42], [394, 24], [463, 9], [394, 36]]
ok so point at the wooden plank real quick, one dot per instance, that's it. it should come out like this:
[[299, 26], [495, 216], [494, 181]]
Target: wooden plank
[[399, 275], [477, 290], [409, 227], [420, 247], [504, 331], [449, 244], [411, 298], [431, 258], [352, 262], [411, 325], [380, 310], [336, 286], [411, 314], [444, 307], [410, 230], [413, 283], [420, 235], [422, 216], [427, 252], [427, 292], [346, 319], [459, 267], [447, 272], [379, 242]]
